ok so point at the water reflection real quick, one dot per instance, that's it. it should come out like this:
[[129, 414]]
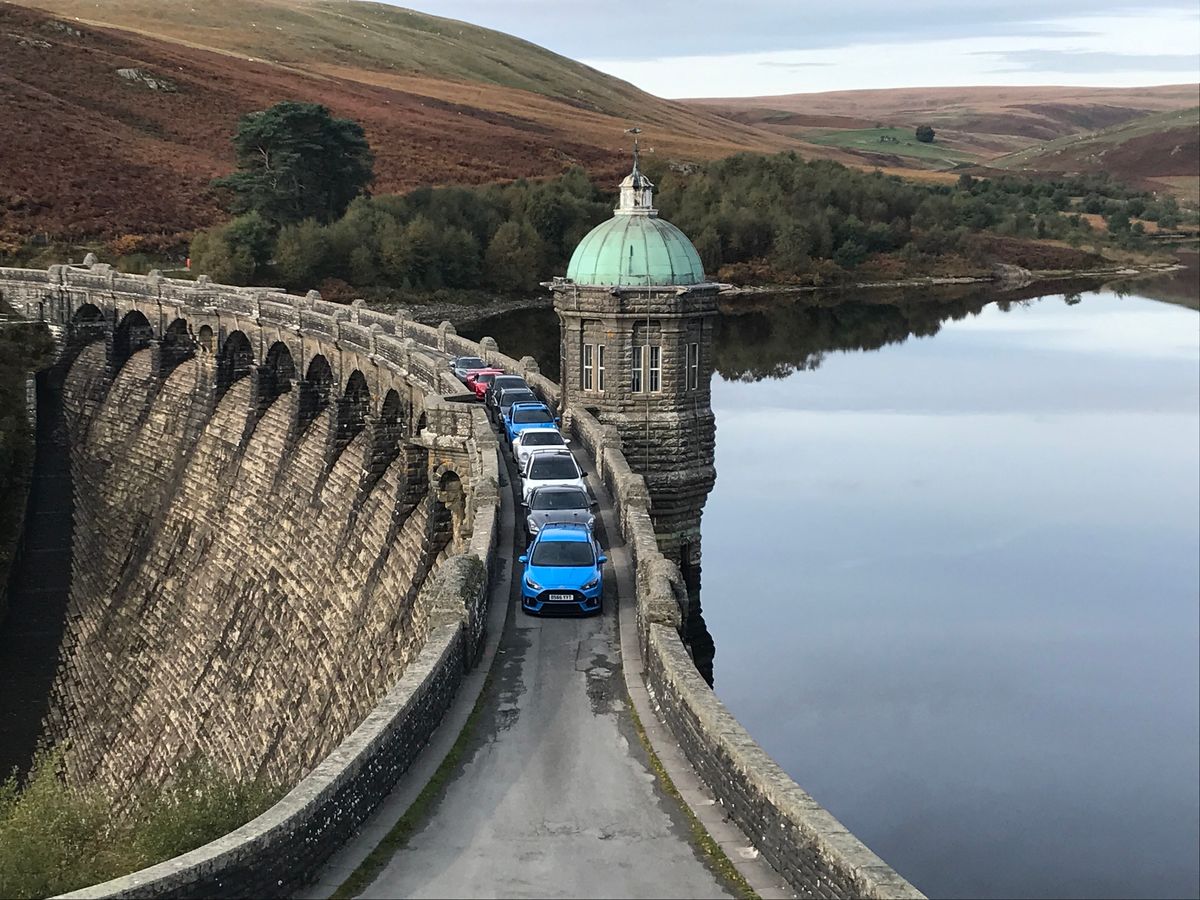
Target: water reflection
[[975, 579]]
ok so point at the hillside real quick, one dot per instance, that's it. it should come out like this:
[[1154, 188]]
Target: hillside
[[1159, 148], [90, 154], [973, 124]]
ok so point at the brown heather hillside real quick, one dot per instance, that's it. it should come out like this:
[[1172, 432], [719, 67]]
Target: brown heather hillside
[[982, 124], [89, 154]]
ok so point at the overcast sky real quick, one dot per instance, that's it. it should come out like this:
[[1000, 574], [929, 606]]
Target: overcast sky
[[717, 48]]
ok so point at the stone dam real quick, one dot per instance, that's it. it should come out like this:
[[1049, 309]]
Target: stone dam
[[261, 533]]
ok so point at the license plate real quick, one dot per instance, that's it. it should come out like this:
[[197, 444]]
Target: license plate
[[562, 598]]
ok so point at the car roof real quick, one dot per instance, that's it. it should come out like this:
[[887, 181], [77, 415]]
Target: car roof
[[557, 489], [551, 451], [574, 531], [531, 404], [520, 378], [543, 431], [459, 359]]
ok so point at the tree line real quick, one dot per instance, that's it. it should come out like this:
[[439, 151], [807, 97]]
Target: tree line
[[304, 216]]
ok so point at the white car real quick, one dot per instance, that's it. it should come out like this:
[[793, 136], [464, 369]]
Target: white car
[[532, 439], [546, 467]]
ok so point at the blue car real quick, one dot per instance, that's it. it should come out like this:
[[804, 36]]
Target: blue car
[[562, 572], [525, 415]]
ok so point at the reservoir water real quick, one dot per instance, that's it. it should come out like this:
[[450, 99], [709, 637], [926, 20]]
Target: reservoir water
[[951, 566]]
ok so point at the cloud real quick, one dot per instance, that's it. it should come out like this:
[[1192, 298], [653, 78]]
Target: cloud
[[1094, 61], [775, 64], [635, 30]]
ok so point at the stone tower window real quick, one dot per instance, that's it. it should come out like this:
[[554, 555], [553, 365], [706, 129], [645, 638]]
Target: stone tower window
[[600, 368], [635, 370], [693, 367], [655, 378], [587, 366]]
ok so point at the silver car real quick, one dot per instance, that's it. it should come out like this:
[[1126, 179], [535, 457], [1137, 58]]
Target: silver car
[[554, 505], [461, 365]]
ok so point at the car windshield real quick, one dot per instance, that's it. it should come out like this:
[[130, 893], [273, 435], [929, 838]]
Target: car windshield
[[470, 362], [563, 553], [511, 397], [553, 467], [486, 378], [542, 438], [509, 381], [546, 499], [532, 416]]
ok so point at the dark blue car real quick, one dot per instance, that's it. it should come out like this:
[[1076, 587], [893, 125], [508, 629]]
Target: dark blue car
[[562, 572]]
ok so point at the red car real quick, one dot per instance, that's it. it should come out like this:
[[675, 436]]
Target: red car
[[479, 380]]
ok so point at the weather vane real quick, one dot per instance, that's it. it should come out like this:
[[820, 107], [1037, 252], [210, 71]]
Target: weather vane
[[635, 131]]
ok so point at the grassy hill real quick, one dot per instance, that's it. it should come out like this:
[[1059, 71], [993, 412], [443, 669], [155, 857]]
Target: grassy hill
[[1162, 148], [973, 124], [385, 45], [90, 154]]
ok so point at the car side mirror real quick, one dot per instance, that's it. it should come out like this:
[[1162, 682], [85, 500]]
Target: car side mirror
[[583, 474], [558, 421], [603, 559], [595, 504], [524, 557], [566, 442]]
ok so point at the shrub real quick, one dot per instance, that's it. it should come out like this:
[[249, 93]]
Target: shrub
[[55, 837]]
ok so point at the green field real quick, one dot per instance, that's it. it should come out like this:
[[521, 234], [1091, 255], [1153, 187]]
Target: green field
[[892, 141]]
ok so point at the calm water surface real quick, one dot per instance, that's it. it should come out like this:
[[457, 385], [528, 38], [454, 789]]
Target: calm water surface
[[954, 579], [953, 585]]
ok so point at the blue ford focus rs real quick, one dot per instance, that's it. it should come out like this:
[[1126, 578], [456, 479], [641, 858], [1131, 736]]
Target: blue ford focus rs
[[562, 572]]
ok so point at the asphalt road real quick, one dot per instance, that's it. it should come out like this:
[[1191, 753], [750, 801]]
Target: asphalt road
[[554, 797]]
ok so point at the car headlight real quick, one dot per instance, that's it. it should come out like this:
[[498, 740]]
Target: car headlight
[[530, 583], [591, 584], [533, 529], [591, 521]]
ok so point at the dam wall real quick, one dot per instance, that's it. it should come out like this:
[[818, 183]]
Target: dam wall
[[278, 850], [282, 532]]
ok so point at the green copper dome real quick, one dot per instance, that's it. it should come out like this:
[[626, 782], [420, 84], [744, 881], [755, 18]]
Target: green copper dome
[[635, 250], [635, 247]]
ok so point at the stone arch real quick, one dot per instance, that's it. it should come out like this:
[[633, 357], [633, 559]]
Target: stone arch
[[204, 338], [388, 431], [177, 345], [234, 361], [132, 334], [87, 324], [315, 391], [352, 410], [276, 375], [449, 508], [87, 314]]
